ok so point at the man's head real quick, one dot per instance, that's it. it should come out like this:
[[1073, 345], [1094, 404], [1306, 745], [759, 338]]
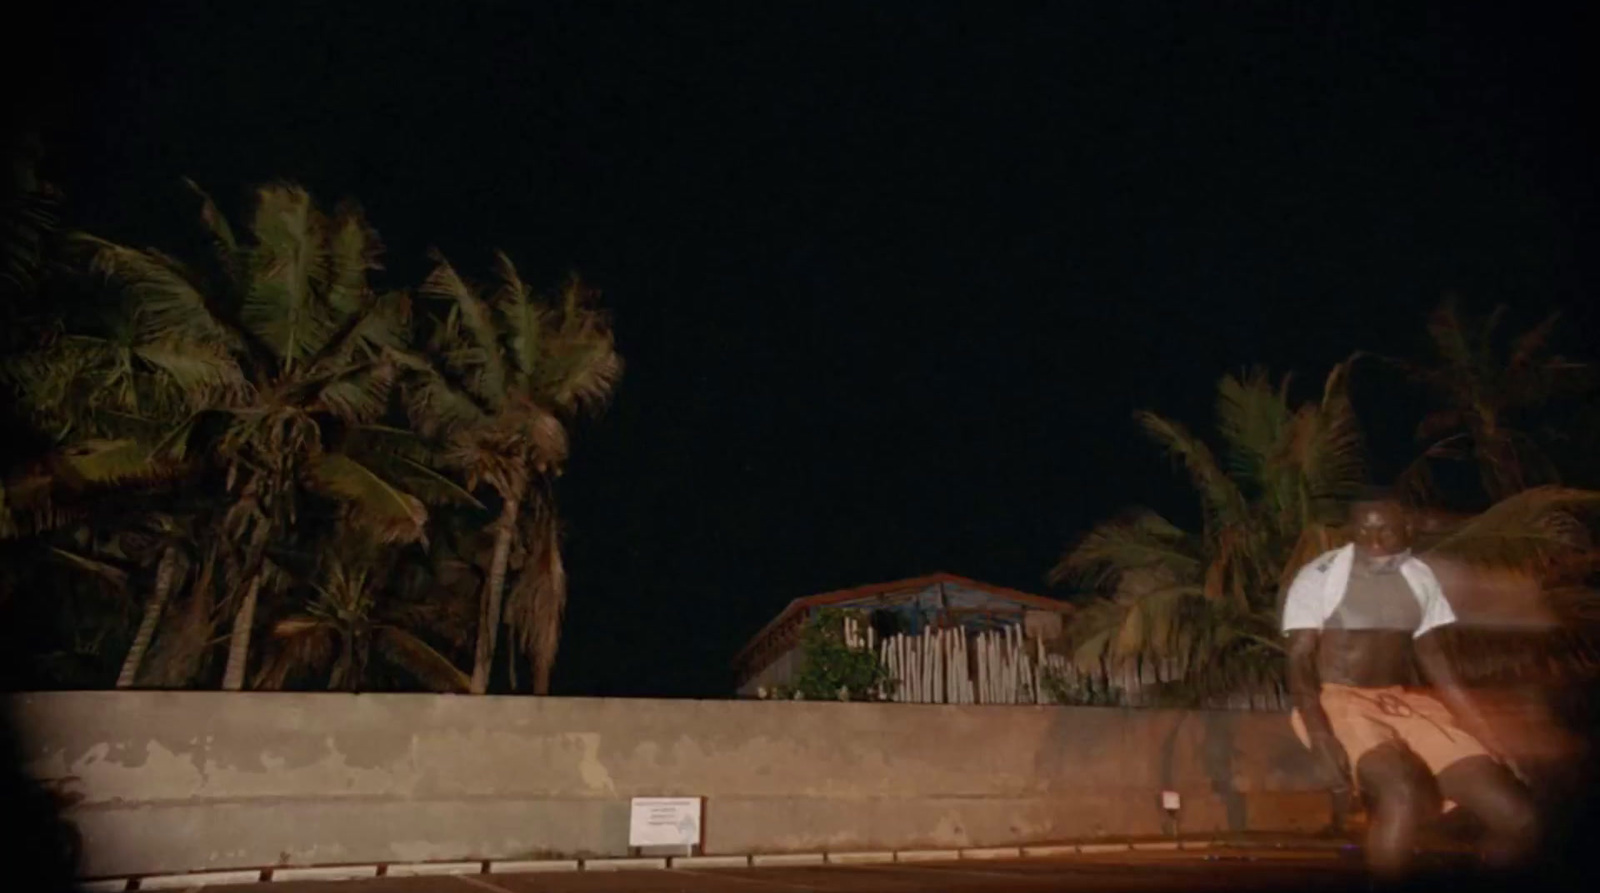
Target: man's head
[[1380, 525]]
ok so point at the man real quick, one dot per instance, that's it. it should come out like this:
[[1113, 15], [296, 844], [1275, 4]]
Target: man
[[1360, 620]]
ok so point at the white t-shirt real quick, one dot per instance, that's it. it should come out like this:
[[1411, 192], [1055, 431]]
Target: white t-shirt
[[1318, 588]]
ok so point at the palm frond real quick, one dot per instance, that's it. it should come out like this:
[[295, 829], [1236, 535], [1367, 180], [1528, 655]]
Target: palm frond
[[477, 316], [1532, 530], [1321, 462], [427, 484], [387, 440], [538, 596], [418, 658], [524, 318], [1142, 540], [167, 299], [1251, 418], [202, 371], [1449, 337], [223, 242], [104, 570], [392, 514], [1220, 496], [290, 269], [583, 367], [354, 251], [585, 373], [356, 394], [301, 644], [109, 462], [1440, 423]]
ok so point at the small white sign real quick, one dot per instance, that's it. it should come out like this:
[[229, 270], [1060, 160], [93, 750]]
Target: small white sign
[[1170, 801], [664, 821]]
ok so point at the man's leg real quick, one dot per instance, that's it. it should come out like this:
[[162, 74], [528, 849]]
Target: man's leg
[[1402, 799], [1496, 798]]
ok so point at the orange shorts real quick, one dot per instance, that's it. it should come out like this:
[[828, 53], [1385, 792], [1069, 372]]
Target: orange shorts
[[1363, 718]]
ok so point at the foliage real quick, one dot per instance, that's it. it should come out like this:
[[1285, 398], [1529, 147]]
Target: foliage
[[1486, 388], [830, 669], [1077, 690], [217, 422], [1201, 607], [500, 380], [344, 627], [1197, 612]]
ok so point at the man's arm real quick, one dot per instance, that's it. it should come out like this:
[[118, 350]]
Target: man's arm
[[1437, 668], [1305, 689], [1440, 673]]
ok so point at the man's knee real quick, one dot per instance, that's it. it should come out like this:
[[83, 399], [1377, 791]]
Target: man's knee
[[1497, 799], [1402, 797], [1398, 783]]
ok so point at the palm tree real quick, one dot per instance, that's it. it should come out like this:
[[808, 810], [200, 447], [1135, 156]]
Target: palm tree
[[29, 230], [1533, 555], [1200, 608], [505, 375], [275, 348], [1482, 400], [347, 620]]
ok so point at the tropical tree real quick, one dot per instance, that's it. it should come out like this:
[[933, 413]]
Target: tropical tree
[[1532, 556], [278, 351], [349, 625], [502, 377], [1486, 387], [1199, 608], [29, 231]]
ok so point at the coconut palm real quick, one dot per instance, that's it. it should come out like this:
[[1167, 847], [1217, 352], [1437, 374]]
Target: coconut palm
[[29, 229], [276, 347], [1200, 608], [1532, 558], [505, 375], [348, 621], [1484, 390]]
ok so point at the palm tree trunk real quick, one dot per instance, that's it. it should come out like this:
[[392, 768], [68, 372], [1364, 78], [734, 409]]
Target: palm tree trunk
[[489, 618], [166, 571], [550, 597], [239, 641]]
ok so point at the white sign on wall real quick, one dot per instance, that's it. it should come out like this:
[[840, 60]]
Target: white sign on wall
[[664, 821], [1170, 801]]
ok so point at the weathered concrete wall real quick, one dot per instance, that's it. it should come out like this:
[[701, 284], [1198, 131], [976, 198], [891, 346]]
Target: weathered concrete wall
[[195, 780]]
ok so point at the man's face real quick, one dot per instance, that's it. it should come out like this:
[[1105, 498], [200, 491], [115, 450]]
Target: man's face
[[1380, 529]]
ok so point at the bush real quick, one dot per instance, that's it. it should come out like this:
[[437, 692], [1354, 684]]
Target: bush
[[832, 670]]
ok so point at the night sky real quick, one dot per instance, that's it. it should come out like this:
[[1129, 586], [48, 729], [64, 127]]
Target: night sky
[[890, 278]]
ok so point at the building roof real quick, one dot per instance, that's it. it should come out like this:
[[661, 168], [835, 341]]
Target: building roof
[[793, 615]]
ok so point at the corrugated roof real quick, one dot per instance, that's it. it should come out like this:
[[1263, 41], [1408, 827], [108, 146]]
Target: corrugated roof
[[907, 586]]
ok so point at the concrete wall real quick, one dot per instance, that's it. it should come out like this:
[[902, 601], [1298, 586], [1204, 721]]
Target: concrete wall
[[176, 781]]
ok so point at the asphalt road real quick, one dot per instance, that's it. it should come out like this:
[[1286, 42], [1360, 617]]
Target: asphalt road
[[1240, 870]]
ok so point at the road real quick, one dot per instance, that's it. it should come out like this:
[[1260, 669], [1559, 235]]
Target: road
[[1308, 871]]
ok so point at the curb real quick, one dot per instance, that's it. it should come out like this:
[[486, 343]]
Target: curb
[[432, 869], [778, 859], [188, 881], [710, 862], [1048, 850], [992, 852], [330, 873], [867, 858], [624, 864], [529, 866], [926, 855]]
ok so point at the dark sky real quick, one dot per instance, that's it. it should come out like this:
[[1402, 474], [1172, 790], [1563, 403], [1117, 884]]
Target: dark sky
[[890, 278]]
